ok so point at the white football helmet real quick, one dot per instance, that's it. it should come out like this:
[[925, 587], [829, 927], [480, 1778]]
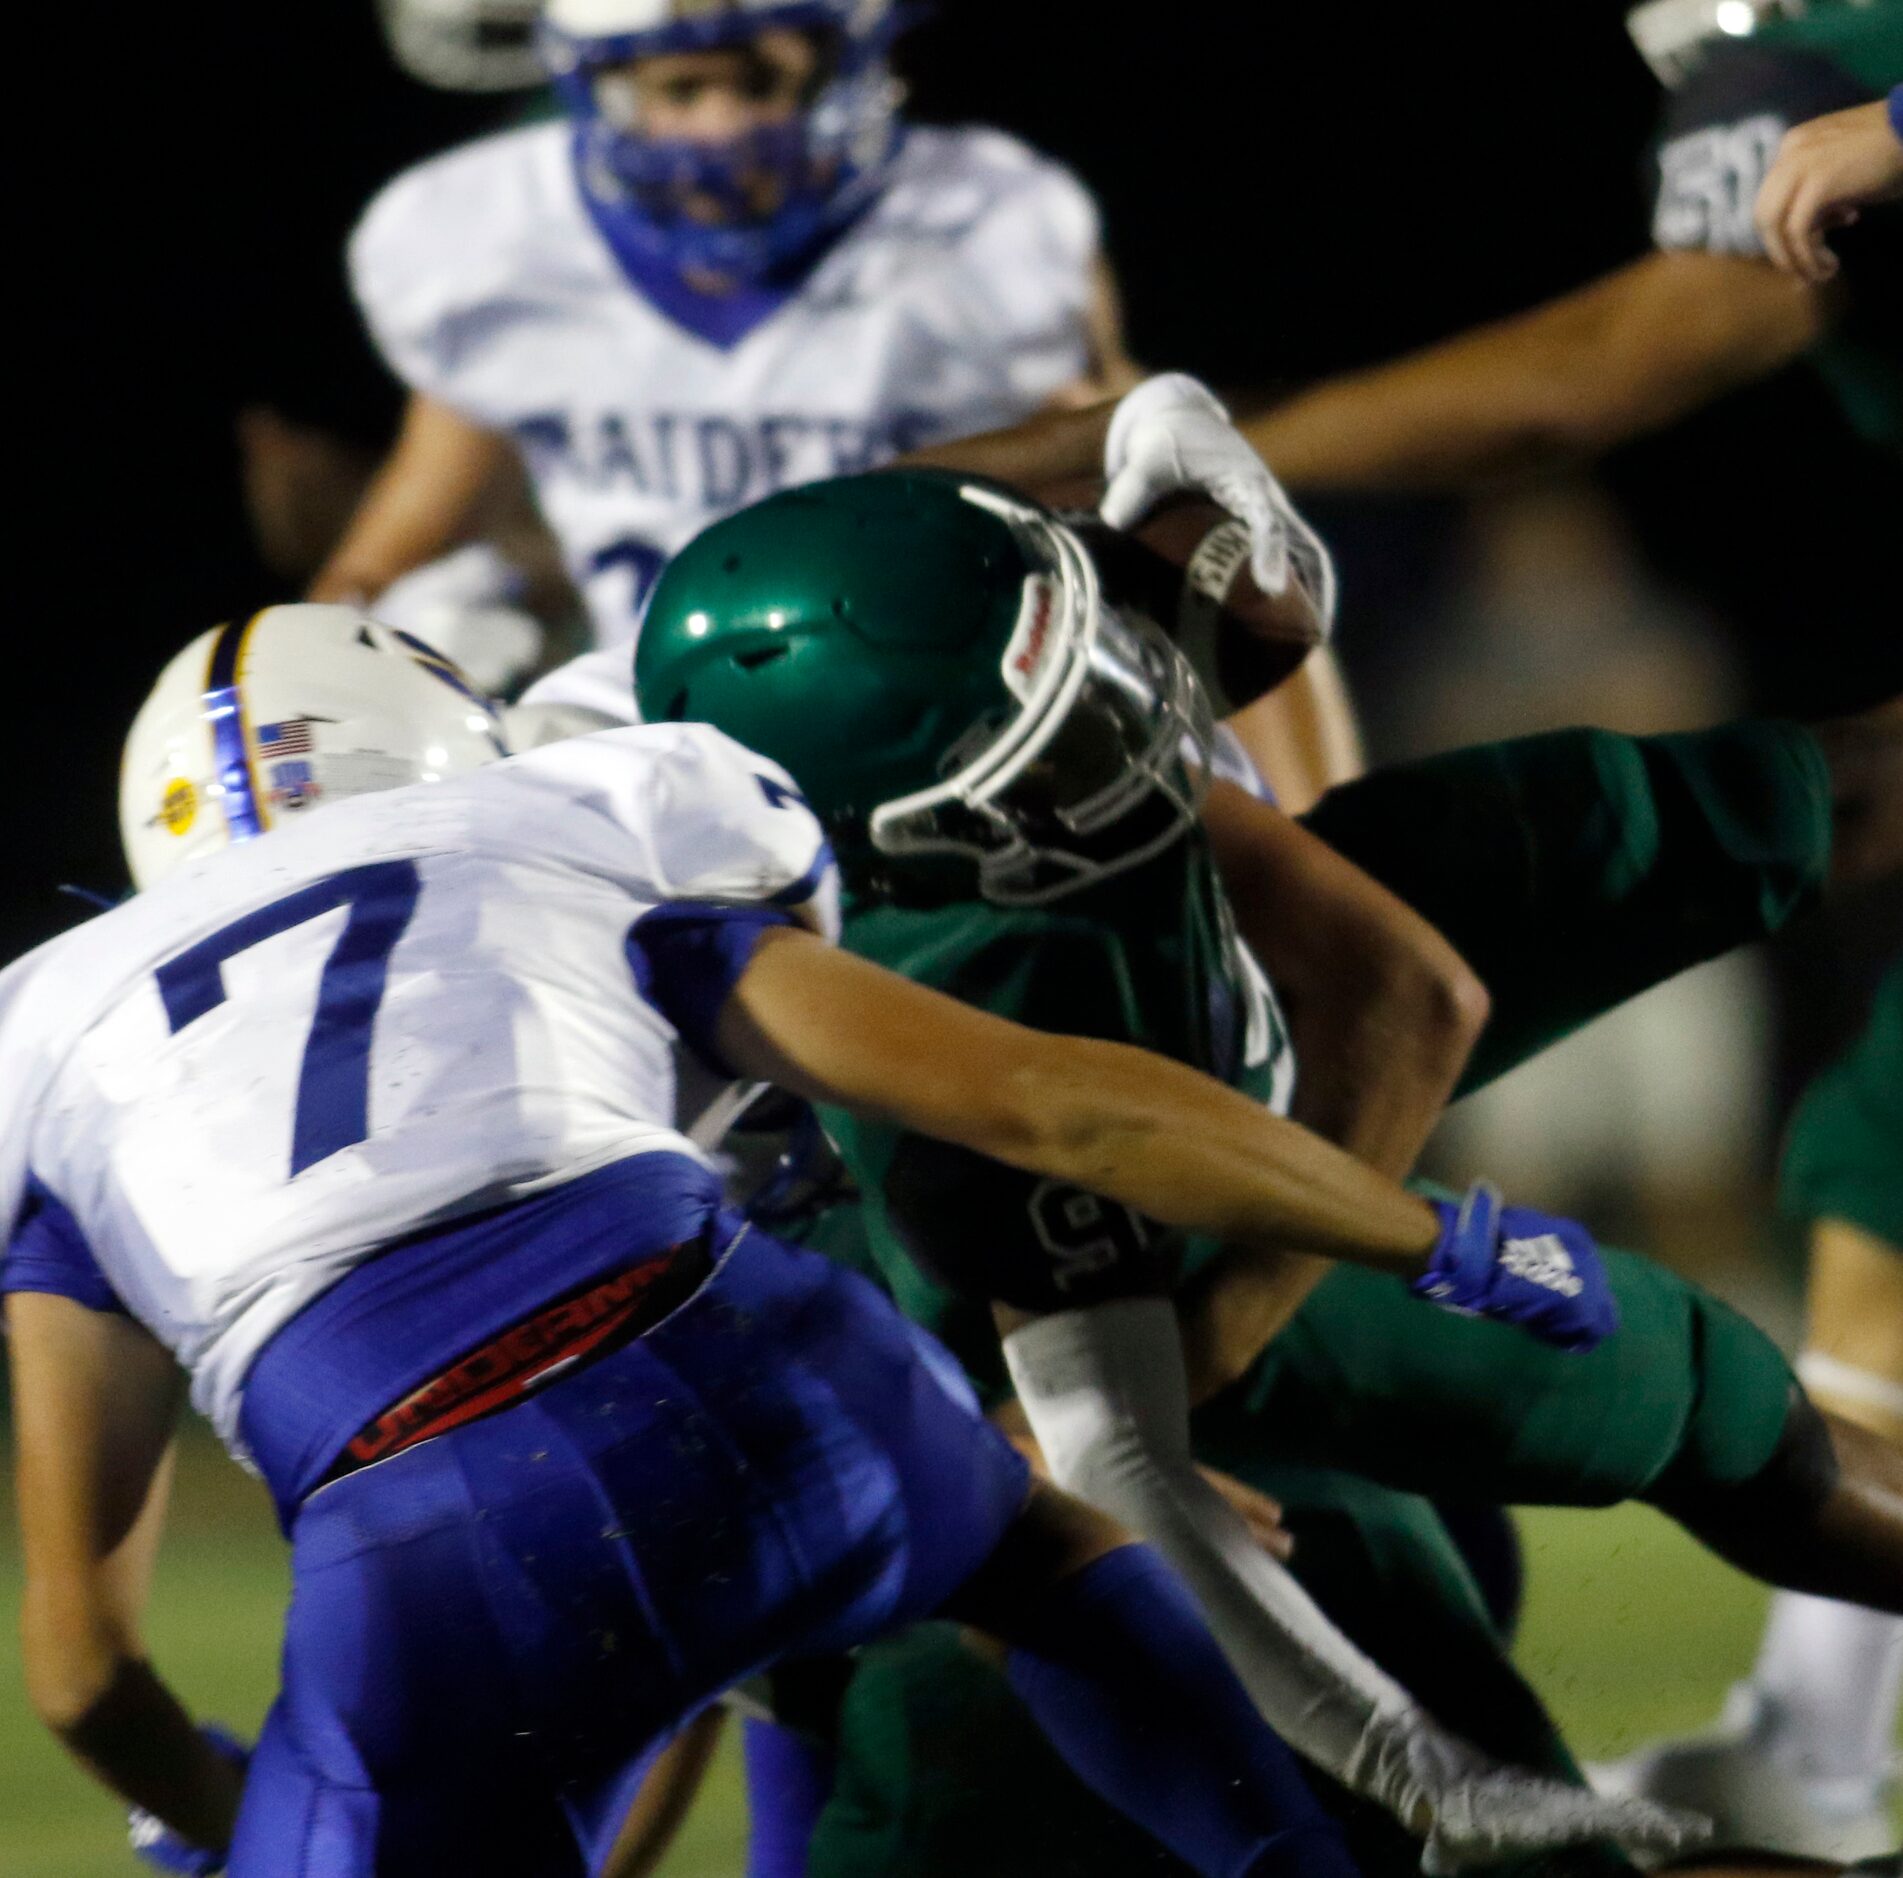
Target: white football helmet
[[271, 716], [465, 45], [1672, 35]]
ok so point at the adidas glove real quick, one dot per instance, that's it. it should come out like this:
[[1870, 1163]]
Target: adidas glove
[[1531, 1269]]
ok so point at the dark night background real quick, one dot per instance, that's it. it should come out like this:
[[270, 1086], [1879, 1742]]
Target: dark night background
[[1287, 190]]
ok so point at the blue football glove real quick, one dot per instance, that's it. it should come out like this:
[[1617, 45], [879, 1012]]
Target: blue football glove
[[160, 1847], [1522, 1267]]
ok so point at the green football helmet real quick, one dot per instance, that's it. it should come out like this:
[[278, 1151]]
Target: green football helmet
[[930, 656]]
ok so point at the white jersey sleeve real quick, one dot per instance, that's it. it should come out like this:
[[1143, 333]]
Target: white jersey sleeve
[[436, 258], [713, 822], [599, 683], [1030, 270]]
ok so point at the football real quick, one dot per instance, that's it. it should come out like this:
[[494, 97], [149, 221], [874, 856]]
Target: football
[[1186, 566]]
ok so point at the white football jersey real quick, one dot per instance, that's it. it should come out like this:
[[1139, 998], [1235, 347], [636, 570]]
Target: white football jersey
[[416, 1005], [957, 303]]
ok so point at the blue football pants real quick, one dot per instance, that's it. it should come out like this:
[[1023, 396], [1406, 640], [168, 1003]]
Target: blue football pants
[[490, 1631]]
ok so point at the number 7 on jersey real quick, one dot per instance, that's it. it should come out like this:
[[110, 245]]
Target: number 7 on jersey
[[333, 1084]]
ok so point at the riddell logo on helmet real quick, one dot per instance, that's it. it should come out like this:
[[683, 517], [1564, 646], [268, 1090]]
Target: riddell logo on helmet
[[1031, 640], [178, 808]]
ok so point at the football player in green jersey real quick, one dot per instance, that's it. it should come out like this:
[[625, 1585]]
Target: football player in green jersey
[[1702, 314], [1804, 1759], [1016, 750], [1051, 875]]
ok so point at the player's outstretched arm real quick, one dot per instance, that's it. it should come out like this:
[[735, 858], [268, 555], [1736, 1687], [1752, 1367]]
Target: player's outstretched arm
[[1056, 446], [1828, 170], [1153, 1134], [1624, 355], [425, 500], [95, 1399]]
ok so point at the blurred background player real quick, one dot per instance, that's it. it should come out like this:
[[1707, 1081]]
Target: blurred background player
[[1805, 1761], [1672, 1092], [1655, 340], [731, 266], [1660, 338]]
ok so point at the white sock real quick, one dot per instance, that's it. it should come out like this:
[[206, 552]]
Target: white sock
[[1833, 1676], [1107, 1397]]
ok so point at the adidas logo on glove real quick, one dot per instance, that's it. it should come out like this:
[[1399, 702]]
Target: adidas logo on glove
[[1544, 1262]]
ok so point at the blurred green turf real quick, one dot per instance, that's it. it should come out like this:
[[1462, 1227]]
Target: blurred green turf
[[1629, 1631]]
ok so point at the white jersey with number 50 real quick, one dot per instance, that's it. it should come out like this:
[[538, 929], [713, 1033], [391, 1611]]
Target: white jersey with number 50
[[413, 1006], [957, 303]]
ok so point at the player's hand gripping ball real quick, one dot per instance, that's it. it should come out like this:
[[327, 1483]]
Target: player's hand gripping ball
[[159, 1846], [1195, 534], [1531, 1269], [1171, 436]]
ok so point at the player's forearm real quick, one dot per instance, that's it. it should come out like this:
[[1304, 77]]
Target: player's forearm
[[1051, 449], [1617, 358], [116, 1718], [1375, 1075], [1382, 1011], [425, 501], [1180, 1148], [1174, 1144], [1379, 1099]]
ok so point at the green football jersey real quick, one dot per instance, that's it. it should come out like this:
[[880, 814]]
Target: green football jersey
[[1721, 133], [1150, 957]]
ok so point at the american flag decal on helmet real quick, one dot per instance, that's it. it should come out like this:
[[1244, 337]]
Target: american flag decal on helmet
[[290, 738]]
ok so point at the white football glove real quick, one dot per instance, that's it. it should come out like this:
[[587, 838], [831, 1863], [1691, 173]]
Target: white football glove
[[1474, 1810], [1170, 434]]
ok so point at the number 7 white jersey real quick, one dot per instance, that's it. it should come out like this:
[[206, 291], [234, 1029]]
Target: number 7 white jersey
[[414, 1006]]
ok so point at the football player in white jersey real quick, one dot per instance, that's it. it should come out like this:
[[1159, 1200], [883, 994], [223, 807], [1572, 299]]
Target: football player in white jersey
[[732, 267], [371, 1128]]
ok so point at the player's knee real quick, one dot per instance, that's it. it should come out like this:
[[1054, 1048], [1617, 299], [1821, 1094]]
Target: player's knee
[[1780, 1499], [1743, 1409], [1056, 1536]]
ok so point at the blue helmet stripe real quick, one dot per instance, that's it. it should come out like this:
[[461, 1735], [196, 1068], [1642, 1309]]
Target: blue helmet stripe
[[224, 712]]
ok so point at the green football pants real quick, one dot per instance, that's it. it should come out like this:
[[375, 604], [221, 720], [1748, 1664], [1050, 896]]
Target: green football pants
[[1574, 870]]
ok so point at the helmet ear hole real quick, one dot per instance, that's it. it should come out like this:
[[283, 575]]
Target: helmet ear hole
[[676, 711], [752, 661]]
